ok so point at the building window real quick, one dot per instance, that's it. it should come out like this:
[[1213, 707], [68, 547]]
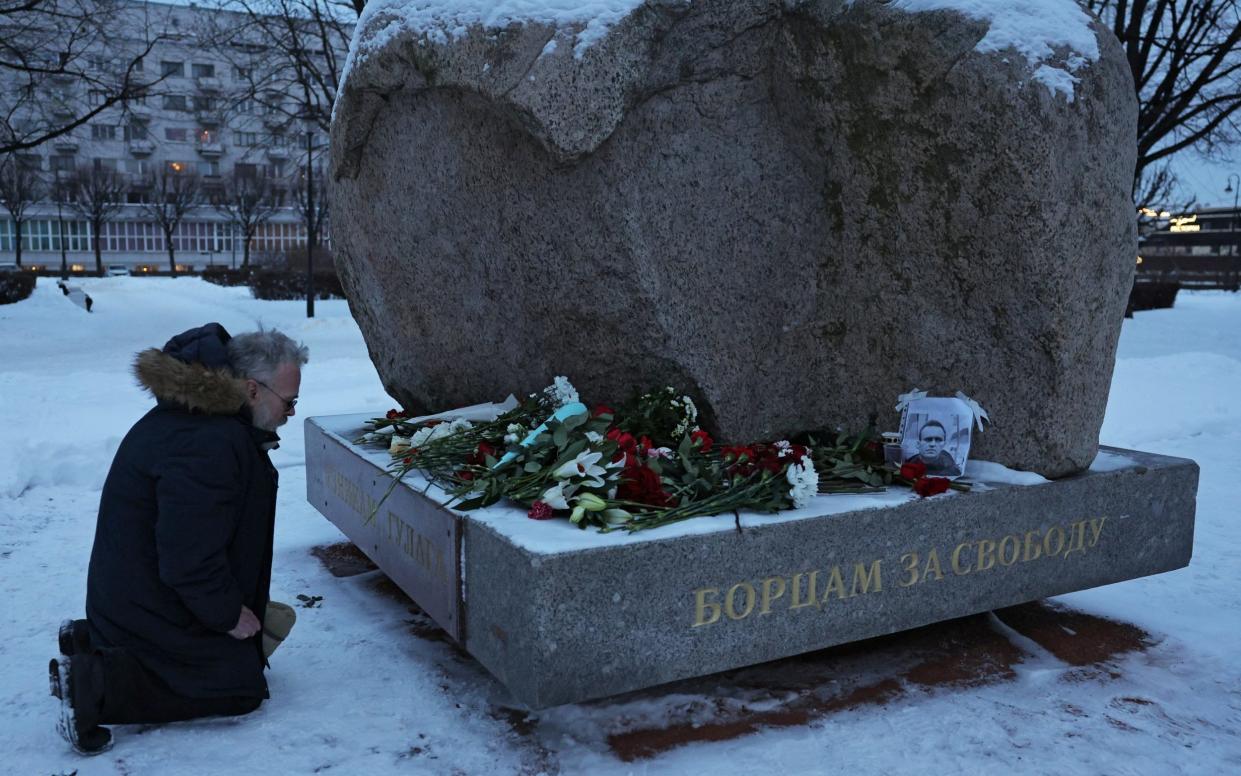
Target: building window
[[6, 235], [179, 167], [174, 102], [96, 97], [208, 136], [209, 168], [204, 103], [30, 161], [135, 131], [175, 134], [244, 171], [102, 132], [63, 163], [275, 169], [241, 73], [245, 106], [139, 64], [246, 138], [138, 166], [169, 68], [204, 71], [104, 164]]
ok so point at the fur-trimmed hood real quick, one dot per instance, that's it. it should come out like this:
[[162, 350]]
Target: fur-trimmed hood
[[192, 385]]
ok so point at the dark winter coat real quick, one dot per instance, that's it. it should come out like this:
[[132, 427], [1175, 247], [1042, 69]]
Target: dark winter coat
[[185, 528]]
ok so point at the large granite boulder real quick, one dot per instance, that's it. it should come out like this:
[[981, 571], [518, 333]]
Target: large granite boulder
[[793, 210]]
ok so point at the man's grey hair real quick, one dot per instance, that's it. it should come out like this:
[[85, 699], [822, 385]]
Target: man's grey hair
[[259, 354]]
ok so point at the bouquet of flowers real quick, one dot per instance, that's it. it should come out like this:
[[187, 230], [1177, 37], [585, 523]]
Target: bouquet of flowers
[[642, 464]]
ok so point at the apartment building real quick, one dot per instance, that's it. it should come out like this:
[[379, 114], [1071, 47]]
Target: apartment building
[[200, 117]]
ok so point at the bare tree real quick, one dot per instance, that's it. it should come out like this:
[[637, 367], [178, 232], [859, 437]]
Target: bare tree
[[20, 187], [63, 193], [248, 202], [175, 191], [1186, 62], [64, 62], [292, 53], [314, 212], [100, 196]]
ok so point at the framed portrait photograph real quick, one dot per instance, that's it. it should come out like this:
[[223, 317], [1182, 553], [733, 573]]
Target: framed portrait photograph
[[936, 431]]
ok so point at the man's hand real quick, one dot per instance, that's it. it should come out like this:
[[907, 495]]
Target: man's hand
[[247, 625]]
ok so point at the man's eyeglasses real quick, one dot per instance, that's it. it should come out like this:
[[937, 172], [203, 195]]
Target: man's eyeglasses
[[289, 404]]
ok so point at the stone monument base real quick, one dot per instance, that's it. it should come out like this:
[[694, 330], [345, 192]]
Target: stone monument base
[[561, 615]]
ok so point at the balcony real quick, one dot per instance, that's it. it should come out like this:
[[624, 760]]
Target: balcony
[[209, 147], [208, 118], [208, 84], [65, 145], [142, 112], [277, 152], [62, 110], [275, 120], [141, 147]]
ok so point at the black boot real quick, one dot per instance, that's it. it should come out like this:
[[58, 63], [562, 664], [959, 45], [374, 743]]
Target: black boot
[[85, 738], [74, 637]]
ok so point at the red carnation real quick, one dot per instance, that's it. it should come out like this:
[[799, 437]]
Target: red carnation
[[407, 460], [479, 456], [394, 414], [702, 440], [930, 486], [913, 470], [541, 510], [602, 409], [643, 485]]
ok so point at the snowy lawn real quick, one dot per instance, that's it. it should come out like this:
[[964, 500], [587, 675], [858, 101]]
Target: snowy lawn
[[364, 685]]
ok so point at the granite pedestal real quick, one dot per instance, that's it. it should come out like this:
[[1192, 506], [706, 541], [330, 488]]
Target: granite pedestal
[[560, 615]]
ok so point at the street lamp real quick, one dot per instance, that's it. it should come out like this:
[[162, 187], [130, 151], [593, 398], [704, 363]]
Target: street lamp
[[1232, 221]]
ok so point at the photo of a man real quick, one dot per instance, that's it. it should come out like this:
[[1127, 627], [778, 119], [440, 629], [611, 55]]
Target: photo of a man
[[935, 431], [931, 439]]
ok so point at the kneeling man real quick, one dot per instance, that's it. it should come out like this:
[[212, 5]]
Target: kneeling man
[[177, 589]]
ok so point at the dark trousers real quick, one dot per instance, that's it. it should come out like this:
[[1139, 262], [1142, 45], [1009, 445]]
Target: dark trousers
[[110, 687]]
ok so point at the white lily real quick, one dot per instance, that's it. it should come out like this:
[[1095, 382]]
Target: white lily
[[555, 497], [584, 467]]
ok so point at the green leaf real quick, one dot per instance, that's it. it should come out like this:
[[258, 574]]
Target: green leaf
[[532, 466], [560, 437]]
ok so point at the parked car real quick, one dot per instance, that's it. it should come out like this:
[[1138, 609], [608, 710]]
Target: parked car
[[117, 269]]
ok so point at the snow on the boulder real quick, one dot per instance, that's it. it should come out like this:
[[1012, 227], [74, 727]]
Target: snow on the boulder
[[1037, 29]]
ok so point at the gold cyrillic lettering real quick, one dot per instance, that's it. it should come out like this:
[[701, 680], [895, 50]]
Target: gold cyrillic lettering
[[702, 605], [730, 609], [1077, 538], [1038, 548], [867, 577], [1016, 540], [1096, 529], [835, 581], [910, 559], [767, 596], [932, 566], [1059, 542], [956, 559], [814, 601], [986, 551]]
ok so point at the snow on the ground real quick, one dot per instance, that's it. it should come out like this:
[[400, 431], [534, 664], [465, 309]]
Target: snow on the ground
[[355, 691]]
